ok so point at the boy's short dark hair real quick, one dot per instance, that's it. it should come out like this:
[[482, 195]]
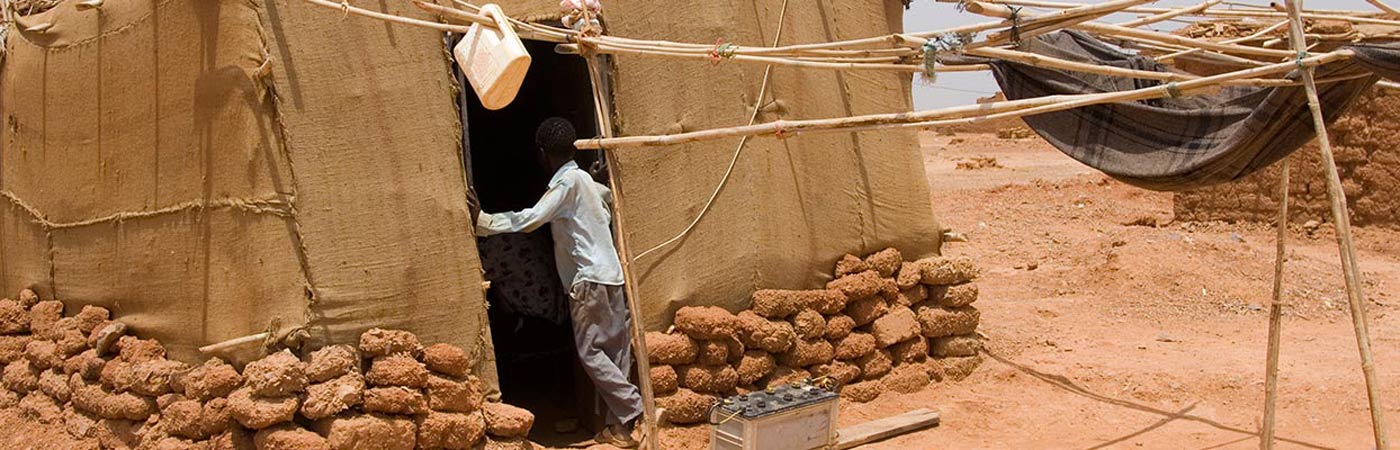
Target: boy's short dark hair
[[555, 137]]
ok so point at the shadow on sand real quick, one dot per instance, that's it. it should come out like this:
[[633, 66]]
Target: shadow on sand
[[1068, 385]]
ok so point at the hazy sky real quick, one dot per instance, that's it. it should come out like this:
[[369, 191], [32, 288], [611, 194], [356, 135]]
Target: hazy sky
[[963, 88]]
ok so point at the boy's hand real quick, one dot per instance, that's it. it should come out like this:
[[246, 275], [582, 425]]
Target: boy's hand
[[473, 206], [598, 170]]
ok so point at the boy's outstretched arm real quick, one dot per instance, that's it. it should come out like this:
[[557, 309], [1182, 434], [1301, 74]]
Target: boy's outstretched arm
[[525, 220]]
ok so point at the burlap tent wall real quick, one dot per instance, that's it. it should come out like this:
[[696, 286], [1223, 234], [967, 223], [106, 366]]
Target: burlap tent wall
[[302, 168], [212, 169], [793, 206]]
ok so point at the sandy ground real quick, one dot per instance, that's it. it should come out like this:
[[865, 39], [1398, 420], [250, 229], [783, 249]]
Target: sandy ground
[[1111, 326]]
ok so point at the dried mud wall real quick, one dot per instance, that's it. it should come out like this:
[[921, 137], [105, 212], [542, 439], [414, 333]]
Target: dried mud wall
[[884, 324], [1366, 143], [114, 391], [792, 206], [213, 169]]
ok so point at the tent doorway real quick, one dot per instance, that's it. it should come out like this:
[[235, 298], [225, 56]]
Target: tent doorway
[[528, 305]]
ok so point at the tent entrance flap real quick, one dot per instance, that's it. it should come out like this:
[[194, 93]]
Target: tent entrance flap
[[528, 305]]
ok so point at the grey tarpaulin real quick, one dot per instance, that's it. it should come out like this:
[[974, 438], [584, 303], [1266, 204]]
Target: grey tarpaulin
[[1383, 59], [1170, 143]]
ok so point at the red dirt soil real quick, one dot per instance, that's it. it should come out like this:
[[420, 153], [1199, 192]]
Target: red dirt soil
[[1105, 335]]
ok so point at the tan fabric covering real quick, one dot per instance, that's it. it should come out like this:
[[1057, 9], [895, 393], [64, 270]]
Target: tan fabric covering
[[328, 193], [375, 141], [322, 188], [160, 113], [792, 206]]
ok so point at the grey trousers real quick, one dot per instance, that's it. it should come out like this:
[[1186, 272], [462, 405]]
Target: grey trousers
[[603, 340]]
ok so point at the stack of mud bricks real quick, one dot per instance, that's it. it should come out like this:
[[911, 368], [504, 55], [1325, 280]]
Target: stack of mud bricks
[[110, 390], [883, 324]]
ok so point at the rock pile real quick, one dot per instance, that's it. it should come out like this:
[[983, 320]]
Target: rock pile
[[883, 324], [83, 372]]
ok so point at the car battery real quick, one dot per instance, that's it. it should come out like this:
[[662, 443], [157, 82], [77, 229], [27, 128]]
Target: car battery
[[795, 416]]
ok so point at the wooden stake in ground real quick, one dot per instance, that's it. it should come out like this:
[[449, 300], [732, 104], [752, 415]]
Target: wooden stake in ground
[[603, 109], [1341, 218], [1275, 315]]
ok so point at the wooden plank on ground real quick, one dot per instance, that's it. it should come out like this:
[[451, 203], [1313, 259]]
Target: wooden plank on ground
[[875, 430]]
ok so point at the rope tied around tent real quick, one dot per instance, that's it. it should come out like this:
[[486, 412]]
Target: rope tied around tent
[[1016, 26], [1302, 54], [933, 47], [1172, 90], [738, 151], [723, 50], [930, 60], [276, 205]]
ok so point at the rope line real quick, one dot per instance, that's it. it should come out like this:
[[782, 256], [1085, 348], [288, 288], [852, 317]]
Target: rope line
[[89, 40], [723, 50], [277, 206], [1173, 91], [1016, 26], [931, 60], [943, 43], [733, 161]]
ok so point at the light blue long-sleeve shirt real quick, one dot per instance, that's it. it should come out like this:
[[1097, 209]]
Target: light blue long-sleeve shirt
[[577, 208]]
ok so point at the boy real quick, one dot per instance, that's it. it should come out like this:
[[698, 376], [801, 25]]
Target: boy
[[577, 208]]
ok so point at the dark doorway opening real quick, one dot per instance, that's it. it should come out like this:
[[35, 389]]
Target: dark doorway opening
[[528, 304]]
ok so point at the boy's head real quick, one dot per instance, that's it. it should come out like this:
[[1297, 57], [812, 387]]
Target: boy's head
[[555, 137]]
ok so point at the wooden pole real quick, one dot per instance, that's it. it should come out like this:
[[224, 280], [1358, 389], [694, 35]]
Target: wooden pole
[[1341, 218], [603, 109], [1038, 60], [1383, 7], [235, 342], [1031, 22], [1026, 26], [1170, 14], [999, 11], [966, 113], [1114, 30], [1275, 314], [1347, 16], [1253, 36]]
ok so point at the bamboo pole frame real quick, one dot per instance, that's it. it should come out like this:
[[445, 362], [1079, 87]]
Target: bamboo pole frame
[[1152, 36], [832, 59], [1033, 22], [1036, 25], [1056, 63], [1252, 36], [1342, 219], [650, 420], [1266, 435], [1159, 17], [954, 115], [700, 52], [1261, 13], [908, 68], [997, 10], [1384, 7]]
